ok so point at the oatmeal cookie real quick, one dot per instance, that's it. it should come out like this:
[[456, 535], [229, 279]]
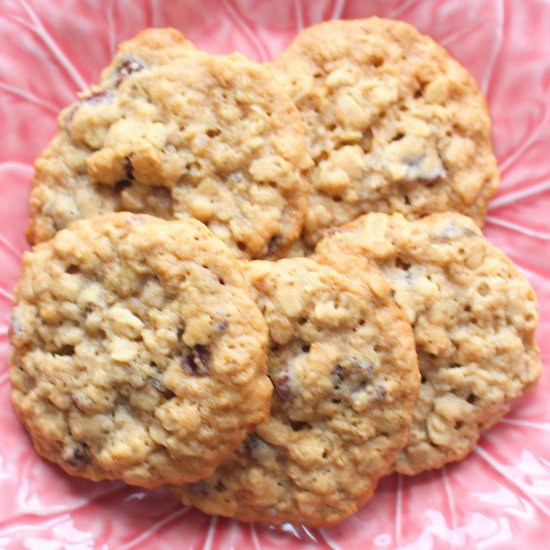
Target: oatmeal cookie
[[394, 123], [474, 317], [208, 137], [345, 373], [137, 351]]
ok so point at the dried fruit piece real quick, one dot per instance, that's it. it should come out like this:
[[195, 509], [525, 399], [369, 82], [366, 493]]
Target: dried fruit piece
[[282, 387], [97, 95], [131, 65], [77, 456], [251, 444], [197, 359]]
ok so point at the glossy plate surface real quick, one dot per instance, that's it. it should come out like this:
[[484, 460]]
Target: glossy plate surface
[[499, 497]]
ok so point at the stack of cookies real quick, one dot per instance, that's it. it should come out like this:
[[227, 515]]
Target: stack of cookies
[[266, 286]]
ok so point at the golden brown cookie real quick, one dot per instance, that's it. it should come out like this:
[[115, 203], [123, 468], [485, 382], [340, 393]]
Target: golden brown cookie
[[474, 317], [137, 351], [345, 373], [394, 123], [208, 137]]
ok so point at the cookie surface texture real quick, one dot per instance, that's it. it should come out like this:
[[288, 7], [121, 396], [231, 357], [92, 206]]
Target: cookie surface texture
[[137, 351], [208, 137], [345, 375], [151, 47], [394, 123], [474, 317]]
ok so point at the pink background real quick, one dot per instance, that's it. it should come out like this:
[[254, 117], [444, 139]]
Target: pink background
[[500, 496]]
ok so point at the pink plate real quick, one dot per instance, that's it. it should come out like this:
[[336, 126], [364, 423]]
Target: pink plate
[[499, 497]]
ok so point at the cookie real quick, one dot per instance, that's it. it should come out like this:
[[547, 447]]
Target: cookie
[[474, 317], [137, 351], [212, 138], [394, 124], [344, 369]]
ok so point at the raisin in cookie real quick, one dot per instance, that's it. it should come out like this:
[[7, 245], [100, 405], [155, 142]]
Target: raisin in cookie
[[345, 373], [150, 47], [474, 317], [212, 138], [137, 351], [395, 124]]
